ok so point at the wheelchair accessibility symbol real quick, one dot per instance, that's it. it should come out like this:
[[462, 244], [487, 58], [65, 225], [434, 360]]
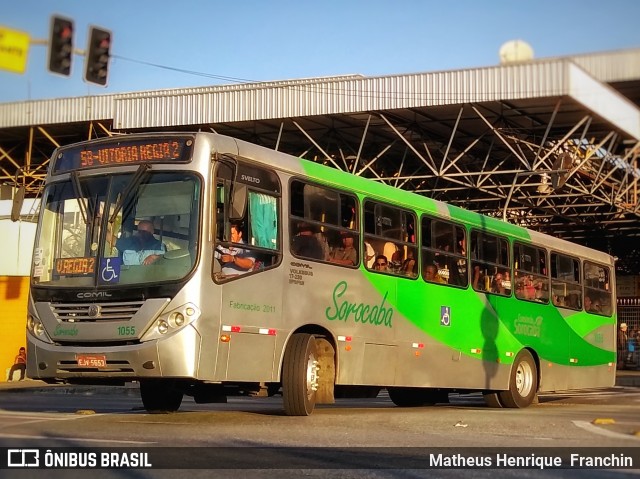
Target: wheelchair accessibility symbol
[[445, 316], [109, 270]]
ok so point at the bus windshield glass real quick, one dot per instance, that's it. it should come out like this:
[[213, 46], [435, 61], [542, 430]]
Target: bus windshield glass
[[134, 229]]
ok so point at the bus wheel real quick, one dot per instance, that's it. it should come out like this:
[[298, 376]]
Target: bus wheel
[[300, 375], [523, 383], [410, 397], [160, 395]]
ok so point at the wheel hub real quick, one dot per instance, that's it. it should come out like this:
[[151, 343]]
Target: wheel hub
[[312, 375]]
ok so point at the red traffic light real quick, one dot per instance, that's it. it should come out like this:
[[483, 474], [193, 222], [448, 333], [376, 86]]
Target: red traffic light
[[66, 32], [96, 66], [60, 53]]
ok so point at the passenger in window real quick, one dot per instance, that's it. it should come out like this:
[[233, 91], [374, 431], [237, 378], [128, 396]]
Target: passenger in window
[[345, 254], [459, 268], [592, 306], [381, 264], [506, 282], [559, 300], [530, 289], [409, 266], [397, 260], [431, 274], [498, 284], [142, 247], [572, 300], [541, 293], [501, 283], [525, 288], [235, 260], [305, 243]]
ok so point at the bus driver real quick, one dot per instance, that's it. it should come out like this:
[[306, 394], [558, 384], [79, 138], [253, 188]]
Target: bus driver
[[142, 247]]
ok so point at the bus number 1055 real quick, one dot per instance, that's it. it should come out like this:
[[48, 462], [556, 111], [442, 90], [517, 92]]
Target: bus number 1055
[[126, 330]]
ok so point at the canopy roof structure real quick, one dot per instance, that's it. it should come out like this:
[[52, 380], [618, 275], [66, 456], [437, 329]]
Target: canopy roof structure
[[552, 144]]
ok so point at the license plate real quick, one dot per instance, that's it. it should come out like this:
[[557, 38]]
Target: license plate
[[93, 361]]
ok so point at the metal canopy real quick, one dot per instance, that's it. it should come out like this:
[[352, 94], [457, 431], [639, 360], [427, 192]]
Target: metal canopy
[[551, 144]]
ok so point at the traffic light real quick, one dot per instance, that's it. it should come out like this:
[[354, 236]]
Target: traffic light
[[96, 62], [60, 45]]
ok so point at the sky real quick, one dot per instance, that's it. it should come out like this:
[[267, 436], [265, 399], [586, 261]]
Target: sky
[[161, 44]]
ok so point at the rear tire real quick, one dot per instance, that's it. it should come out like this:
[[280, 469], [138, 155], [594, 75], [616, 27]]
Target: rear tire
[[523, 382], [300, 375], [160, 395]]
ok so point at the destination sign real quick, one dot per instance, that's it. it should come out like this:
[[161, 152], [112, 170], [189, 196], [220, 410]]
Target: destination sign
[[79, 266], [123, 152]]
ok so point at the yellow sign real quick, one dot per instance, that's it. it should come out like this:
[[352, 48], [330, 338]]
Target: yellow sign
[[14, 48]]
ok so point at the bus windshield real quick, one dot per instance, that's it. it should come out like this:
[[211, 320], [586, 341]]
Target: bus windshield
[[134, 229]]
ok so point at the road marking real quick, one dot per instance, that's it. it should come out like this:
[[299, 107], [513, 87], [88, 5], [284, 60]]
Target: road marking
[[587, 426], [40, 416], [75, 439]]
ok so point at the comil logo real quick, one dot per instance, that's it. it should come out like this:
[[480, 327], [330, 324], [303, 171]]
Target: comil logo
[[23, 458]]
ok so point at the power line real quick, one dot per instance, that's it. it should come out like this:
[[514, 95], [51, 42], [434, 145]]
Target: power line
[[183, 70]]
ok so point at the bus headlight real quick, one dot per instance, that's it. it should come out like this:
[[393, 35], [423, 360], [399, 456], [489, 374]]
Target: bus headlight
[[163, 326], [35, 327], [172, 321], [31, 323], [177, 319]]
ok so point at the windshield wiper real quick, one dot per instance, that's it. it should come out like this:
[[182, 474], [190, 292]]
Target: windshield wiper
[[134, 183], [77, 188]]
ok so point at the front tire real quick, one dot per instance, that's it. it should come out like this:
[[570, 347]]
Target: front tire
[[523, 382], [492, 400], [160, 395], [300, 375]]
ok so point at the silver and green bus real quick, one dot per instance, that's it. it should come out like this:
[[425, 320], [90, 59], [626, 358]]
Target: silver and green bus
[[198, 264]]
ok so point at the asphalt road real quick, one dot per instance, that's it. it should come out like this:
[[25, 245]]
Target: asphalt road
[[359, 431]]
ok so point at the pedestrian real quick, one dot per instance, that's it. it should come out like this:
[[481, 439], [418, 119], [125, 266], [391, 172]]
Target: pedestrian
[[20, 363]]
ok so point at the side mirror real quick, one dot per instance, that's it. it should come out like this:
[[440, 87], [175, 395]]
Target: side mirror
[[238, 205], [18, 201]]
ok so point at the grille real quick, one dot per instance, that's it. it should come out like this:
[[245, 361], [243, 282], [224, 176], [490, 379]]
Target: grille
[[78, 313], [113, 366]]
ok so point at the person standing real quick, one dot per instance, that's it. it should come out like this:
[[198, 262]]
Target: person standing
[[623, 337]]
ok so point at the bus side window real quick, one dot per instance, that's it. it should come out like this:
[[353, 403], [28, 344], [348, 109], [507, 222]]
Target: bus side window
[[392, 231], [531, 275], [566, 289], [444, 246], [323, 224], [597, 290], [251, 243], [491, 271]]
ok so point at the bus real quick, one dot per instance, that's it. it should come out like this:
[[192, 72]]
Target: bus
[[202, 265]]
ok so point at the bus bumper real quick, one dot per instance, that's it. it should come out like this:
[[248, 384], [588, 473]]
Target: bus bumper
[[175, 356]]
